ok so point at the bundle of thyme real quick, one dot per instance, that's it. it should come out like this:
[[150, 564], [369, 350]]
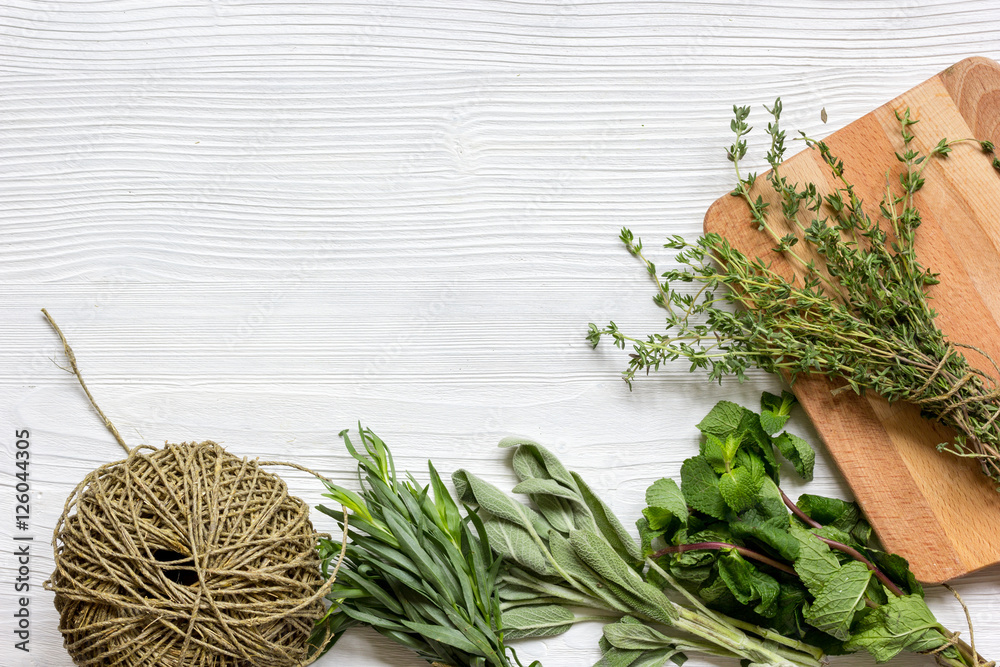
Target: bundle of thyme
[[859, 312]]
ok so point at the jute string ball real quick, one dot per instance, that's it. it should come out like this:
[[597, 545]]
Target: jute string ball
[[186, 556]]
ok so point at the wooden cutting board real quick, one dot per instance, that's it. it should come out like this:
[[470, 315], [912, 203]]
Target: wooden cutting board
[[937, 510]]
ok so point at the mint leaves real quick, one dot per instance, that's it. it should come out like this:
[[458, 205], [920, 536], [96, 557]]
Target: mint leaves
[[701, 488], [902, 624], [839, 597], [810, 572], [665, 505]]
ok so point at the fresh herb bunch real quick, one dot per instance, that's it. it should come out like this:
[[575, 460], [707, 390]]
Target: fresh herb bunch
[[860, 313], [569, 553], [811, 570], [414, 569]]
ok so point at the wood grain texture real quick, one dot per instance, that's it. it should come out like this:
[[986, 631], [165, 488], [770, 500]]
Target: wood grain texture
[[259, 222], [942, 514]]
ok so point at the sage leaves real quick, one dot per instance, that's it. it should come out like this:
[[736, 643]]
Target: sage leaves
[[567, 558]]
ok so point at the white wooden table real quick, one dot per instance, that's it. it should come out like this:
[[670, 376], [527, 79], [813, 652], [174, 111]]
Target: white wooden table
[[261, 222]]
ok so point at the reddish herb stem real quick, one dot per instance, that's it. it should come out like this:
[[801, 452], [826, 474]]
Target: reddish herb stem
[[857, 555], [718, 546], [850, 551], [805, 518]]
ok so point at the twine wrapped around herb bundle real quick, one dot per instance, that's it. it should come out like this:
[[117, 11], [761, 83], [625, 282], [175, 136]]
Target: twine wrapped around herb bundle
[[186, 555], [859, 311]]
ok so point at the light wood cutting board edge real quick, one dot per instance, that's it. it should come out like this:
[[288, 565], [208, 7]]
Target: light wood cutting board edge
[[937, 511]]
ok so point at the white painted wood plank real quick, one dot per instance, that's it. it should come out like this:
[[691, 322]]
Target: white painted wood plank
[[261, 222]]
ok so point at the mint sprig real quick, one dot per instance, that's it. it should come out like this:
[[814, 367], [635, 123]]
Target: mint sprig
[[811, 570]]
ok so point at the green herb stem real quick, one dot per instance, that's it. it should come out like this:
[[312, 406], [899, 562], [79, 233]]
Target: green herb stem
[[797, 511], [734, 639], [856, 555], [764, 633]]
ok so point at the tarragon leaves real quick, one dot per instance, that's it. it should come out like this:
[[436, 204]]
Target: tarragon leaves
[[416, 570]]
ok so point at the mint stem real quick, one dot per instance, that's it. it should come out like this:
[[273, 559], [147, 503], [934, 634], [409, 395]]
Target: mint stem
[[850, 551], [805, 518], [856, 555], [718, 546]]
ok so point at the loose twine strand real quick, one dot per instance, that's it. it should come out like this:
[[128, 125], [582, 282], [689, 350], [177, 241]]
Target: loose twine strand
[[968, 651], [79, 376], [187, 555]]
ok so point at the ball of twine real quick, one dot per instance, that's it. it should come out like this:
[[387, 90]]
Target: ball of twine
[[186, 555]]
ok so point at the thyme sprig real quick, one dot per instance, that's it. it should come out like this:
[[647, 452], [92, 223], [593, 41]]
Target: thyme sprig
[[857, 311]]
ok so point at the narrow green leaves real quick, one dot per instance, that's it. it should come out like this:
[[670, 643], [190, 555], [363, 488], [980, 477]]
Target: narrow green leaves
[[444, 635], [414, 571]]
